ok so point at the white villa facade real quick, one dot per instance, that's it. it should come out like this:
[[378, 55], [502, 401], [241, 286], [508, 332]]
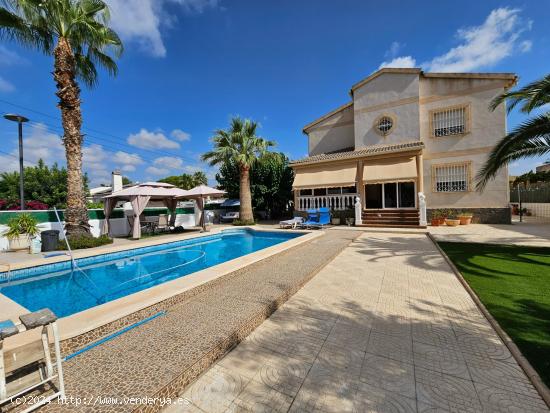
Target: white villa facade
[[406, 132]]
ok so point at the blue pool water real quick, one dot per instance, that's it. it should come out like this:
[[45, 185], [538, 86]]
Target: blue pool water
[[107, 277]]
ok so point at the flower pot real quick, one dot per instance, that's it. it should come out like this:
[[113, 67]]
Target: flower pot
[[335, 221], [452, 222], [442, 220], [435, 222], [465, 220], [19, 243]]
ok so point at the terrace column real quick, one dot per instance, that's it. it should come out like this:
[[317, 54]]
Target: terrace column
[[420, 173], [360, 184]]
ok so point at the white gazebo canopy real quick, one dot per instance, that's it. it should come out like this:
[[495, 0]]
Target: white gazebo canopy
[[139, 196], [199, 193]]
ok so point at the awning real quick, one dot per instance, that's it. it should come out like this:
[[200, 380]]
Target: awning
[[327, 175], [389, 169]]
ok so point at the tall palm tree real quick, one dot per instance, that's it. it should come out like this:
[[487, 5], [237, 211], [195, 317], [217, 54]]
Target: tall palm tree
[[531, 138], [239, 144], [77, 35]]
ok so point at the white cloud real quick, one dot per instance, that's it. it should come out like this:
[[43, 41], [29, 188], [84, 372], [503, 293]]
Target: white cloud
[[394, 49], [145, 139], [401, 61], [6, 86], [153, 170], [498, 37], [142, 21], [170, 162], [485, 45], [125, 158], [180, 135]]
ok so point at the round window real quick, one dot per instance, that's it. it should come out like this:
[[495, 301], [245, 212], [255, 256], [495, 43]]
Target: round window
[[384, 124]]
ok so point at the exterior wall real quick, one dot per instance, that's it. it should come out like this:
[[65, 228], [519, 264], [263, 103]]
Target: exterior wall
[[392, 94], [485, 130], [332, 134], [482, 215], [495, 195]]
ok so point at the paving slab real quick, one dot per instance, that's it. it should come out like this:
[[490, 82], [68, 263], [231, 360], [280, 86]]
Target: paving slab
[[384, 327]]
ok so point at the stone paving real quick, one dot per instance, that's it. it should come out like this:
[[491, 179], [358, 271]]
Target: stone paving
[[385, 327], [159, 358]]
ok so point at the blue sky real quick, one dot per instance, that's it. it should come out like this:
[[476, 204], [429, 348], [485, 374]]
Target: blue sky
[[189, 65]]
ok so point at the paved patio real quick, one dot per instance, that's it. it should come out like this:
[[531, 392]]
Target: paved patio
[[385, 327], [529, 233]]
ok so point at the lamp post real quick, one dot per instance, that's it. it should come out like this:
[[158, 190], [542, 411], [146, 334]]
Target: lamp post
[[20, 120]]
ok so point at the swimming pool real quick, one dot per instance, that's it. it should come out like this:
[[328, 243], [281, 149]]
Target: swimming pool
[[103, 278]]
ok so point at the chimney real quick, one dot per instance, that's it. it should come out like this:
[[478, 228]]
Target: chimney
[[116, 181]]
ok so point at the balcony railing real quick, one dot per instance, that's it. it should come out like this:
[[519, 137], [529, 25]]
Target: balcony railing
[[337, 202]]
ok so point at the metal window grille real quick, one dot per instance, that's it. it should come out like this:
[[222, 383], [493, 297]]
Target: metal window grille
[[385, 123], [449, 122], [451, 178]]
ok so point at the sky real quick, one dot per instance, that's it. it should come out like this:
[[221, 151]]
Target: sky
[[190, 65]]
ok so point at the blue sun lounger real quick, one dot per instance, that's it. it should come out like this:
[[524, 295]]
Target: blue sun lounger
[[323, 220]]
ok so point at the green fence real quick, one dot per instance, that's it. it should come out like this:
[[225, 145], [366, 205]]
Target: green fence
[[537, 194], [49, 215]]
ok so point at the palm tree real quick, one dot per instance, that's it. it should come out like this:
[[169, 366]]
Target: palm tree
[[76, 34], [239, 144], [531, 138]]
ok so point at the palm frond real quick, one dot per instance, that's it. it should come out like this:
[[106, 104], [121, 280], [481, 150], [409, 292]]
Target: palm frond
[[531, 96], [531, 138]]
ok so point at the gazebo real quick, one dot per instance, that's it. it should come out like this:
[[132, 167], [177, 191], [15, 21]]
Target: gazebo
[[139, 196], [199, 193]]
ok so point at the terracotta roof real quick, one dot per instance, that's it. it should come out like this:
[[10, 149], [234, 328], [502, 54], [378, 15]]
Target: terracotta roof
[[368, 151]]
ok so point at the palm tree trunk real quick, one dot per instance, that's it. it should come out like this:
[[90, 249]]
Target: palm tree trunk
[[245, 196], [68, 92]]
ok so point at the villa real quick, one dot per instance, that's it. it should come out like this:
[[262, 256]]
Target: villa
[[407, 132]]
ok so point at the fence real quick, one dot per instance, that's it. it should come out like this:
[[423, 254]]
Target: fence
[[119, 225], [534, 193]]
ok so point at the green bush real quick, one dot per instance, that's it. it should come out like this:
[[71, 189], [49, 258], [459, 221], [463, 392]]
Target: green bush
[[23, 224], [84, 241], [239, 222]]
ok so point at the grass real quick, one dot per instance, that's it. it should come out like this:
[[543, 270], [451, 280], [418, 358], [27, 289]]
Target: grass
[[513, 282]]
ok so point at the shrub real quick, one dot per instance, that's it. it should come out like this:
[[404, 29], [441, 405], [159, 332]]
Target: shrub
[[84, 241], [240, 222], [22, 224]]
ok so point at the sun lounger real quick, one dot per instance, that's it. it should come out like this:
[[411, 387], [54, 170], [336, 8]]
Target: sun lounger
[[291, 223], [312, 219], [323, 220]]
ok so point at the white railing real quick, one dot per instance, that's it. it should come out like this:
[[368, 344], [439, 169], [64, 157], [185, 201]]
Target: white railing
[[336, 202]]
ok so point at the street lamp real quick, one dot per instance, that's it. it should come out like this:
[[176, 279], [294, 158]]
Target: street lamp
[[20, 120]]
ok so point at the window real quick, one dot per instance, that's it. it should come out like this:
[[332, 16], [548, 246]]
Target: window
[[349, 190], [450, 121], [451, 178], [384, 124], [319, 191], [306, 192]]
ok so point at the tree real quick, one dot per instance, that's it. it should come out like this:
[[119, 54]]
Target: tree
[[270, 182], [76, 34], [239, 144], [531, 138], [126, 180], [41, 183], [186, 181]]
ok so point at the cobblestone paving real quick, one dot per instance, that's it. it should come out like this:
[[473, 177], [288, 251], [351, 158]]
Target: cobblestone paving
[[385, 327], [158, 358]]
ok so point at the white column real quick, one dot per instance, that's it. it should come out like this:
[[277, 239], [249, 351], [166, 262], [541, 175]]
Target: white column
[[422, 209], [358, 210]]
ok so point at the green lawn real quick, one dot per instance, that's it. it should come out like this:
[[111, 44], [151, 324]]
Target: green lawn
[[514, 284]]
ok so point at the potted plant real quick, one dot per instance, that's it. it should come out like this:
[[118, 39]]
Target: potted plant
[[465, 218], [452, 220], [436, 215], [335, 218], [443, 214], [21, 229]]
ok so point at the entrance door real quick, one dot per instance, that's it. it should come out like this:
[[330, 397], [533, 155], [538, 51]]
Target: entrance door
[[390, 195], [407, 195], [373, 196]]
